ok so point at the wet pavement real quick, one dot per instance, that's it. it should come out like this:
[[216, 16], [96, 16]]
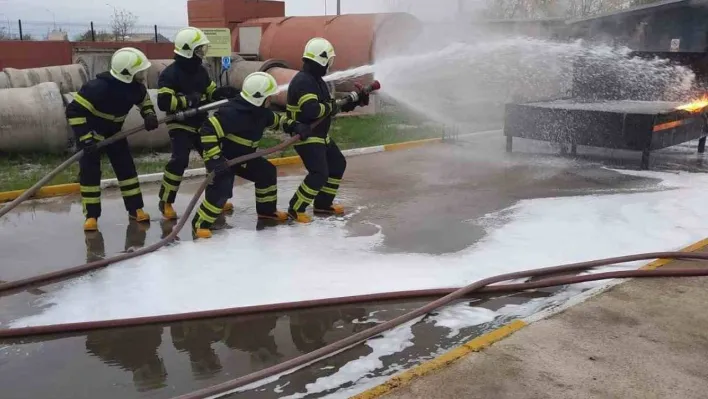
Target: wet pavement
[[422, 199], [645, 338]]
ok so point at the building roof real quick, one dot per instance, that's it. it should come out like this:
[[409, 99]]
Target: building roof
[[639, 9]]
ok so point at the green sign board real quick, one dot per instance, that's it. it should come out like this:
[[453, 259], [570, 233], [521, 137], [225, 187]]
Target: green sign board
[[220, 39]]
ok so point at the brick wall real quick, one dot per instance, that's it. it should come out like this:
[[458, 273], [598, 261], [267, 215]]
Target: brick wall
[[36, 54]]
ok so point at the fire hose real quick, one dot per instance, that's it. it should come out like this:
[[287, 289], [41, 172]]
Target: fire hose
[[179, 116], [450, 294], [350, 97]]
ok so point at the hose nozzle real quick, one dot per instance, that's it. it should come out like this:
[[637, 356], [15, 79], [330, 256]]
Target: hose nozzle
[[353, 96]]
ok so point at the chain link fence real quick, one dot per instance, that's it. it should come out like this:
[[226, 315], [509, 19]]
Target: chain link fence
[[85, 31]]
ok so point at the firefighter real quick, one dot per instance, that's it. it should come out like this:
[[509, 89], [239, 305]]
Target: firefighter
[[308, 100], [185, 84], [233, 131], [97, 112]]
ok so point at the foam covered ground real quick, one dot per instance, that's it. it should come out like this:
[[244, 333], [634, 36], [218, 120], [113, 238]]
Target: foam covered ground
[[290, 263]]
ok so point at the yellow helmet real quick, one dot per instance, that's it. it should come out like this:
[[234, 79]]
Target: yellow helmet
[[128, 62], [320, 50], [257, 87], [188, 40]]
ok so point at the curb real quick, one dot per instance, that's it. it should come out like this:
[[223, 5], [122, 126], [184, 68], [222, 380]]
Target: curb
[[485, 340], [73, 188]]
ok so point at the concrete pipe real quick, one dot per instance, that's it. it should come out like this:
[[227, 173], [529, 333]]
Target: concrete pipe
[[147, 140], [4, 80], [33, 119], [68, 77], [94, 63], [155, 70]]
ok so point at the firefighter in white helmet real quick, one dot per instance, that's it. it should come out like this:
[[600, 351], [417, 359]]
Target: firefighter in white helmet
[[235, 130], [97, 112], [309, 99], [185, 84]]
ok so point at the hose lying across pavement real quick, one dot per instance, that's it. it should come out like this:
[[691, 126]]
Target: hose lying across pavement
[[451, 295]]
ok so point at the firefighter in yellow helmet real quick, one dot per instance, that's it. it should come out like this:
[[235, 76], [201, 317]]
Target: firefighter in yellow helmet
[[97, 112], [235, 130], [309, 99], [185, 84]]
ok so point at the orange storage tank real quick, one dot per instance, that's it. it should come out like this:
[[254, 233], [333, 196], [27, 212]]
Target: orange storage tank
[[356, 38]]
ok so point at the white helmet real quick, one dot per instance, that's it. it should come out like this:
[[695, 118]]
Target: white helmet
[[188, 40], [128, 62], [320, 50], [257, 87]]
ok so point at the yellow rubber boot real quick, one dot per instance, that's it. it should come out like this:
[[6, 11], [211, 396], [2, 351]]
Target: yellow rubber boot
[[140, 216], [278, 215], [91, 224], [228, 207], [335, 209], [167, 211], [202, 233], [299, 217]]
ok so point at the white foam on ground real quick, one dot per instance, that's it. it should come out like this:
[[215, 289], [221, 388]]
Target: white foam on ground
[[291, 263], [389, 343], [460, 316]]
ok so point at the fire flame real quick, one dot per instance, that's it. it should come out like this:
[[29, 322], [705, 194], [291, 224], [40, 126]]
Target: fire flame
[[695, 105]]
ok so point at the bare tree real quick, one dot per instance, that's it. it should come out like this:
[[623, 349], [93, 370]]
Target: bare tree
[[122, 23]]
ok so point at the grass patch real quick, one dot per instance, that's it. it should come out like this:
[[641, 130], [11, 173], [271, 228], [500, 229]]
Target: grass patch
[[21, 171]]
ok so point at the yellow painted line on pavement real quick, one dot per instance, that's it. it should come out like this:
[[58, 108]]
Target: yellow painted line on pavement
[[44, 192], [72, 188], [410, 144], [443, 360], [479, 343]]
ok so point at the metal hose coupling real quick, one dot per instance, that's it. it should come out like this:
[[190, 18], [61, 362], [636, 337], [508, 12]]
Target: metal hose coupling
[[353, 96]]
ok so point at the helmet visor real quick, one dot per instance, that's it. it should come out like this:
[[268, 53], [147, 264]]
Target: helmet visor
[[330, 61], [140, 76], [202, 50]]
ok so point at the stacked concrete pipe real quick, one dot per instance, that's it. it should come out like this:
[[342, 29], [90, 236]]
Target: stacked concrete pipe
[[68, 77]]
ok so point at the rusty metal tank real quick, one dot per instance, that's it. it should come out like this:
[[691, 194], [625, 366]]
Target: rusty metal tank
[[69, 77], [357, 38]]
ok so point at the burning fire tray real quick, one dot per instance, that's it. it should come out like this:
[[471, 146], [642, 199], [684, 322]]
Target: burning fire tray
[[630, 125]]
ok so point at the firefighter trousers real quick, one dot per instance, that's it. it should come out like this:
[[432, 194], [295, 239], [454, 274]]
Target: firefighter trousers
[[258, 170], [182, 143], [325, 165], [124, 167]]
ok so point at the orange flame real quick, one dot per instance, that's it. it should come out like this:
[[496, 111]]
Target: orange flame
[[695, 105]]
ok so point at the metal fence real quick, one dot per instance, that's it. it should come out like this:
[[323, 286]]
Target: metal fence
[[84, 31]]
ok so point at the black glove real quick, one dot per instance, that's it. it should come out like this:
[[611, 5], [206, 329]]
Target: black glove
[[348, 106], [363, 97], [193, 100], [303, 130], [225, 92], [151, 122], [334, 107], [216, 164]]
